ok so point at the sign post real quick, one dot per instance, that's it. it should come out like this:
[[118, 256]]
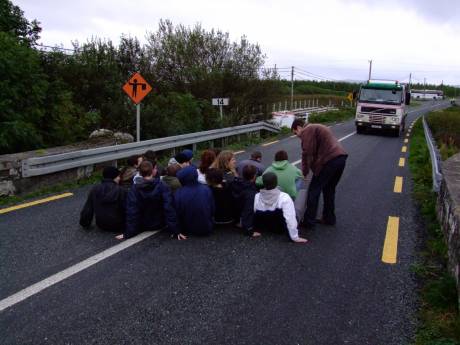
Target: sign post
[[220, 102], [137, 88], [138, 122]]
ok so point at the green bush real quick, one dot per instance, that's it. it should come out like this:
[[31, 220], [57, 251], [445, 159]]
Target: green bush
[[445, 126]]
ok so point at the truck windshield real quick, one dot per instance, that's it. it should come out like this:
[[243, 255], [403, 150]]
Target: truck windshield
[[380, 96]]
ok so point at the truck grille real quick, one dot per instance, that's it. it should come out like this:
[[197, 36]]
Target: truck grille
[[377, 119], [375, 110]]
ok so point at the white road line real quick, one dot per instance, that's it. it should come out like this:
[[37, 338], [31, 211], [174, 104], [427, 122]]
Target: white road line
[[68, 272], [341, 139], [347, 136]]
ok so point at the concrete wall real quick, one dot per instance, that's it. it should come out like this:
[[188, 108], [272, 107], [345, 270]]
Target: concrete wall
[[448, 209]]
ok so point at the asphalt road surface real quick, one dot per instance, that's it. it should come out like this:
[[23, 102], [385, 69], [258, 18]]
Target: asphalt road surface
[[226, 288]]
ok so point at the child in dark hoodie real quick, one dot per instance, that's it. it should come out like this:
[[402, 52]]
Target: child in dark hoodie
[[194, 204], [274, 210], [149, 205], [107, 202], [244, 190]]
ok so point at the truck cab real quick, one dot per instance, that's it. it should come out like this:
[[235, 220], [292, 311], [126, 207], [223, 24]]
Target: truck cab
[[381, 105]]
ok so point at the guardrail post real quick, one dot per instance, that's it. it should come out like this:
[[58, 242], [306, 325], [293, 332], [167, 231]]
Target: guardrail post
[[194, 147], [434, 155], [285, 105]]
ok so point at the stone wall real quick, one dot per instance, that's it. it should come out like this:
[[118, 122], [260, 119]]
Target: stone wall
[[12, 183], [448, 209]]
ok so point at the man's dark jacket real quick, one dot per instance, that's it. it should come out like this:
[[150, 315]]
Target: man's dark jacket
[[150, 207], [194, 204], [107, 202]]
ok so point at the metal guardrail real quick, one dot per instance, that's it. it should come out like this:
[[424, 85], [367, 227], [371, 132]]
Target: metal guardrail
[[48, 164], [434, 155]]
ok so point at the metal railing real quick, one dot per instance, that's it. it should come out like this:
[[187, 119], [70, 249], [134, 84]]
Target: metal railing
[[434, 155], [49, 164]]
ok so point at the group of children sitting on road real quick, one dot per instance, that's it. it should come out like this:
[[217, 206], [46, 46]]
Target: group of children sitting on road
[[189, 200]]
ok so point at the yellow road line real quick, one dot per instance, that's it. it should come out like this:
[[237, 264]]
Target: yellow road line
[[390, 247], [398, 184], [36, 202], [270, 143], [238, 152], [402, 161], [404, 149], [406, 141]]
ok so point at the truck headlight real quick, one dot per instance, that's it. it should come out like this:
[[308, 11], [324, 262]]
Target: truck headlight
[[394, 119]]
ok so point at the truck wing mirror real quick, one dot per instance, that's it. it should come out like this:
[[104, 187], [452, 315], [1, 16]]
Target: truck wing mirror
[[407, 98]]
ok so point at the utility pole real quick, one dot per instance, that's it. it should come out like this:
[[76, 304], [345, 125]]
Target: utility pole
[[410, 79], [370, 69], [292, 86], [424, 88]]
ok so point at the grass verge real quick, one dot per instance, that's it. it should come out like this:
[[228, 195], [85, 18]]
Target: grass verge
[[438, 315], [47, 191]]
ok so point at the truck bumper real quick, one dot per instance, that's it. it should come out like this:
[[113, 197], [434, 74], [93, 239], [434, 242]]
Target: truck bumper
[[368, 125]]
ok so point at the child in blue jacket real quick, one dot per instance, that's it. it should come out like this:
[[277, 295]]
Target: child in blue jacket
[[194, 204]]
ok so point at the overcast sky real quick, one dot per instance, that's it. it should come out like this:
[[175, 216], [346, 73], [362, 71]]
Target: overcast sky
[[330, 38]]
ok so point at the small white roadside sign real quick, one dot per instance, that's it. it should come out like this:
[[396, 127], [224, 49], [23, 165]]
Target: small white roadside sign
[[220, 101]]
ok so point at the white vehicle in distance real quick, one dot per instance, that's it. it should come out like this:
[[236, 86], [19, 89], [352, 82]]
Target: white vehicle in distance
[[382, 106]]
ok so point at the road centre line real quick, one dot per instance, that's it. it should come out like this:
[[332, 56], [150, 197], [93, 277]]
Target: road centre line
[[390, 247], [270, 143], [402, 162], [68, 272], [33, 203], [341, 139], [398, 184]]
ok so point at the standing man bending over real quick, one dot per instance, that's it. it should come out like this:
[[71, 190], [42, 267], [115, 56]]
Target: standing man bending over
[[323, 154]]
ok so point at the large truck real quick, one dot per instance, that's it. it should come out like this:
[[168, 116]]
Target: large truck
[[382, 106]]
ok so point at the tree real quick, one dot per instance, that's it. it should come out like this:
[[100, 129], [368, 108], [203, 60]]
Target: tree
[[12, 21], [22, 92]]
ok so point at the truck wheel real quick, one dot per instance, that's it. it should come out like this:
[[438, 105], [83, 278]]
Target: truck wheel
[[396, 132], [359, 130]]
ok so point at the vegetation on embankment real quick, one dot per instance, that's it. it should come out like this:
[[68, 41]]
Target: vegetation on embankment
[[445, 126], [438, 316], [340, 115]]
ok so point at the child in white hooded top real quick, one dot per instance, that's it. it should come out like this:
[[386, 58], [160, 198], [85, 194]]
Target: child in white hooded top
[[274, 210]]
